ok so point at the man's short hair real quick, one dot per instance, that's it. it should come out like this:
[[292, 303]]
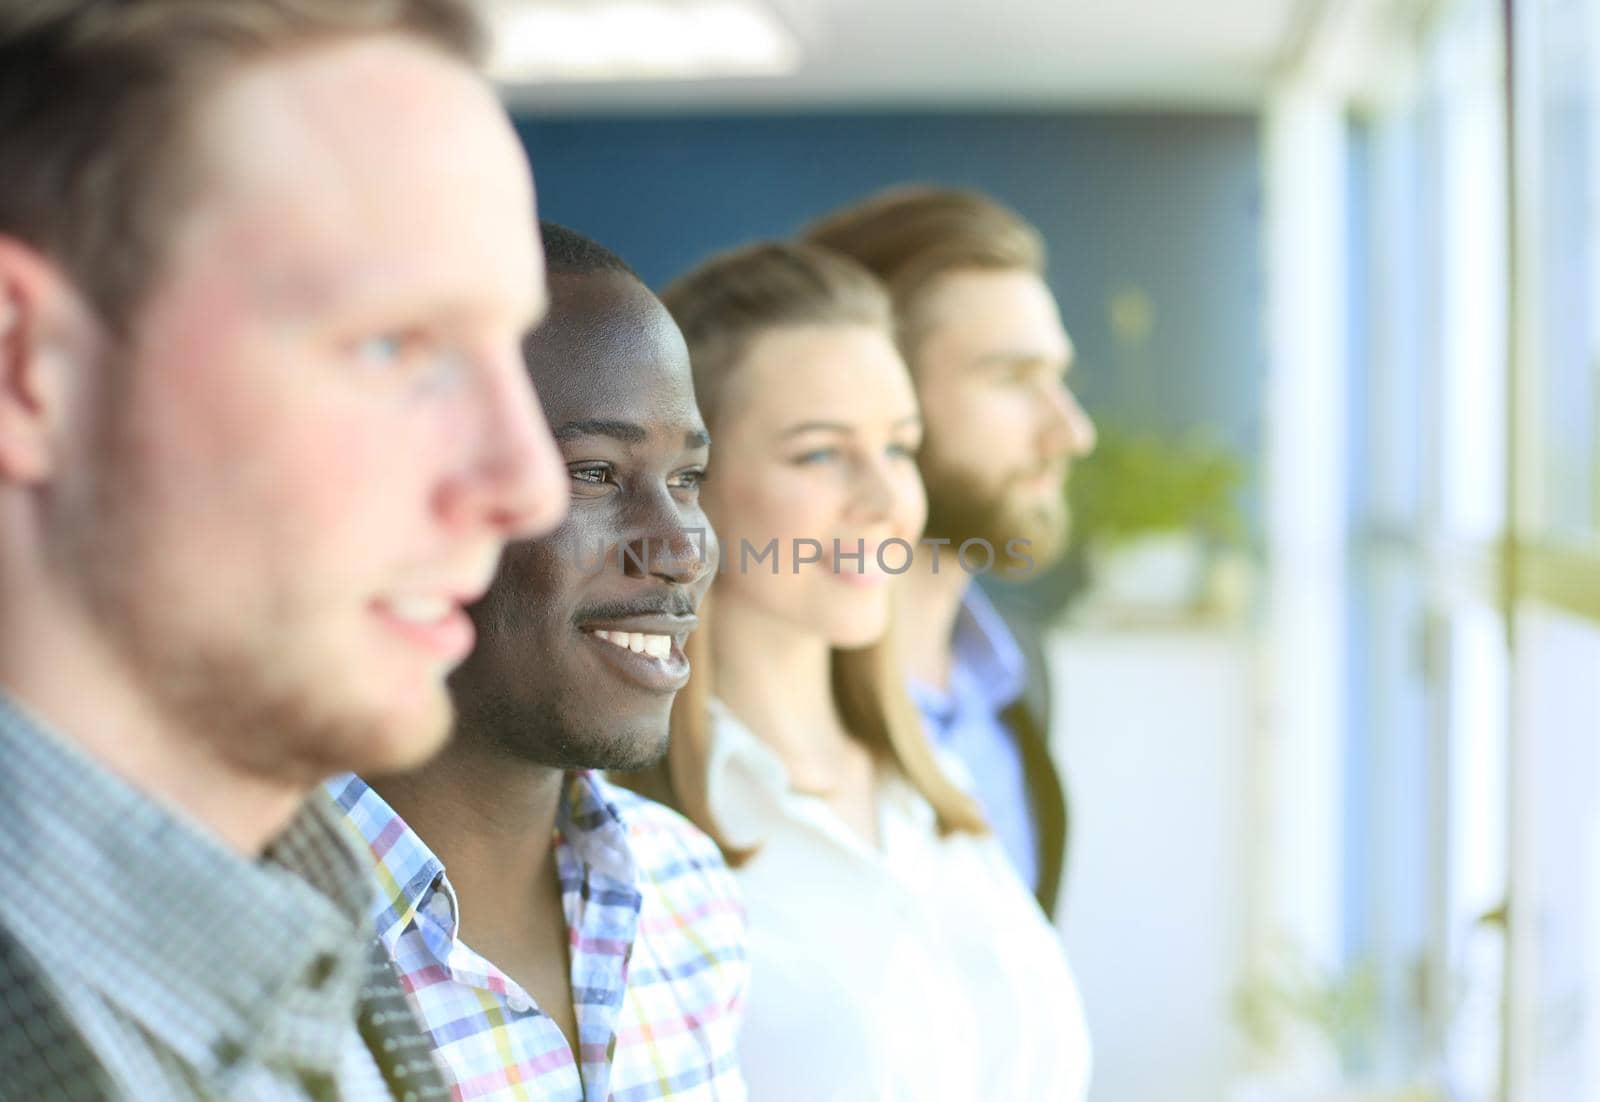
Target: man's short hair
[[97, 107], [567, 250], [909, 236]]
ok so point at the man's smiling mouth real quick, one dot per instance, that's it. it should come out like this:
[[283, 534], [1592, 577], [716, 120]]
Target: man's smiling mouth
[[656, 646]]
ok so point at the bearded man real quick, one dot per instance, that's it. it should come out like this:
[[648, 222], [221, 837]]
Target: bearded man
[[983, 337]]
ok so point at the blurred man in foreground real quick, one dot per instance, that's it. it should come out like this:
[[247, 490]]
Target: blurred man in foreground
[[264, 268]]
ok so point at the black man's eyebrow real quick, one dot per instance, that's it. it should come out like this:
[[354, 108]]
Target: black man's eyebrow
[[625, 431]]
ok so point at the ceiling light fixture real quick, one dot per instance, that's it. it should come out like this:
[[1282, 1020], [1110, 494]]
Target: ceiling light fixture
[[539, 41]]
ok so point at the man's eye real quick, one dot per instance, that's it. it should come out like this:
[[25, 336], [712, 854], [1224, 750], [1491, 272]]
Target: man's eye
[[594, 476], [387, 349], [415, 356], [690, 480]]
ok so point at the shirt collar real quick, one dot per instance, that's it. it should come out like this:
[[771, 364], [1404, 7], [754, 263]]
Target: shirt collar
[[747, 789], [218, 957], [406, 870], [591, 822], [413, 884], [747, 784], [984, 658]]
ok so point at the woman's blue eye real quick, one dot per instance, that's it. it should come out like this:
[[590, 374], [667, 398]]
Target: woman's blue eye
[[903, 451], [820, 455]]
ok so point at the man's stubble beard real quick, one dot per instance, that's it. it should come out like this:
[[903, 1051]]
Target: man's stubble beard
[[246, 692], [541, 724], [541, 730], [962, 506]]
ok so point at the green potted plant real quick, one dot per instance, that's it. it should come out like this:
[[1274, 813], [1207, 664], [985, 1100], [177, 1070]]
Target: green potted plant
[[1152, 512], [1311, 1033]]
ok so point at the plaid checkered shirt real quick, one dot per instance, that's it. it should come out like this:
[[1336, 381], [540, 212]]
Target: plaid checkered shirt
[[656, 928], [142, 959]]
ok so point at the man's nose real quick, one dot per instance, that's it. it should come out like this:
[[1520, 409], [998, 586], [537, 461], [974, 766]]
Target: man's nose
[[674, 545], [518, 484], [1069, 431]]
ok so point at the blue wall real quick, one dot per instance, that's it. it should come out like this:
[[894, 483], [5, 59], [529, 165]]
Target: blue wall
[[1167, 205]]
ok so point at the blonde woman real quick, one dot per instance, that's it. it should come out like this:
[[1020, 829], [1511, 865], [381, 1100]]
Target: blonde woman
[[894, 953]]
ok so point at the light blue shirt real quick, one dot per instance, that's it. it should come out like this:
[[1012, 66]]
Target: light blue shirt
[[987, 676]]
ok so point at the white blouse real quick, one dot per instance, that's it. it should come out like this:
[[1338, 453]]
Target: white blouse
[[920, 971]]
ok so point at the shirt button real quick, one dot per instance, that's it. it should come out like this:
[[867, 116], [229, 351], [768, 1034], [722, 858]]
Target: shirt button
[[321, 971], [227, 1052], [518, 1003]]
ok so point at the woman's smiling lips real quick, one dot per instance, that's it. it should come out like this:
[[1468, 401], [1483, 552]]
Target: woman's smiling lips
[[861, 571]]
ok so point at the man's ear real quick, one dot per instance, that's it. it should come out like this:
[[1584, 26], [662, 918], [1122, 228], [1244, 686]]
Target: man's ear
[[36, 303]]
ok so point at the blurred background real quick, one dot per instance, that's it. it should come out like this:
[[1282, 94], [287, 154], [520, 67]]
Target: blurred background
[[1328, 645]]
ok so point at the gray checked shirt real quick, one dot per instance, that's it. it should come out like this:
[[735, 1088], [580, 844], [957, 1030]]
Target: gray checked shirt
[[141, 959]]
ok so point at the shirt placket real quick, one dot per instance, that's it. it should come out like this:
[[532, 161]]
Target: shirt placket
[[437, 916], [604, 914]]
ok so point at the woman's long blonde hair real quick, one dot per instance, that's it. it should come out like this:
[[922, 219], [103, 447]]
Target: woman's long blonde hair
[[723, 306]]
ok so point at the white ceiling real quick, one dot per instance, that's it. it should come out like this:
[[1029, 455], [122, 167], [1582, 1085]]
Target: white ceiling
[[1018, 53]]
